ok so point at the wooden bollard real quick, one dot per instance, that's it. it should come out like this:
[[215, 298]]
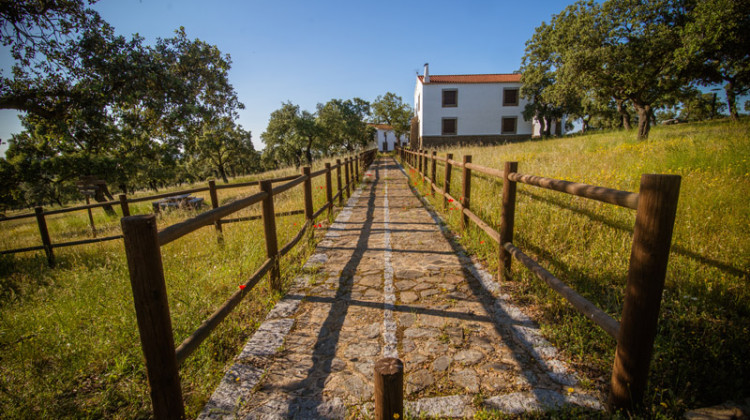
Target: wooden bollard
[[389, 389], [338, 182], [652, 238], [466, 192], [448, 173], [152, 313], [507, 220]]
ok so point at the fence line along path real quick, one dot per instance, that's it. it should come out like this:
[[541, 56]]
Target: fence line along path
[[385, 282]]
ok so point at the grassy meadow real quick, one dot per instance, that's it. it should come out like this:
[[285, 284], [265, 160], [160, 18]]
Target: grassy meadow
[[69, 344], [702, 350]]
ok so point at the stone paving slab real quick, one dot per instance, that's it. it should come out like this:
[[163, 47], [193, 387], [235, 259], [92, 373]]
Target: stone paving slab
[[385, 282]]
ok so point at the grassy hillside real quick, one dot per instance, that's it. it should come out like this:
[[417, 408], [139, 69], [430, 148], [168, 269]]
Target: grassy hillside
[[702, 353], [69, 344]]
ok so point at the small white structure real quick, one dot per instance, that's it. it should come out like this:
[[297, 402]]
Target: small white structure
[[470, 108], [386, 138]]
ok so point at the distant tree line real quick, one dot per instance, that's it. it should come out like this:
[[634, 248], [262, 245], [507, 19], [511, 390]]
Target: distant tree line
[[297, 137], [607, 63], [97, 104]]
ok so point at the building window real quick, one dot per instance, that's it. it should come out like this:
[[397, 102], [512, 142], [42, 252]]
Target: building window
[[450, 97], [450, 126], [509, 125], [510, 97]]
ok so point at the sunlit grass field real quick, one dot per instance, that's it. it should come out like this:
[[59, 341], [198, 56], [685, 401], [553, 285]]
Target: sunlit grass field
[[702, 351], [69, 344]]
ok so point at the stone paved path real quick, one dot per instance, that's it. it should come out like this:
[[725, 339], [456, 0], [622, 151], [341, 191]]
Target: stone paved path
[[385, 282]]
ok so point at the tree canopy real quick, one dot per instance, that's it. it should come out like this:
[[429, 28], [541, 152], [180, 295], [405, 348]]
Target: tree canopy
[[104, 105], [593, 58]]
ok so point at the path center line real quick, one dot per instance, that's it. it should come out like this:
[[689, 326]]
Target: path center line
[[389, 294]]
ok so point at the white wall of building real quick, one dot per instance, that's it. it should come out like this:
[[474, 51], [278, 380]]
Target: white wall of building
[[480, 109], [387, 137]]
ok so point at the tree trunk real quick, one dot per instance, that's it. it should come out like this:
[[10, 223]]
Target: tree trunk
[[547, 126], [585, 124], [624, 113], [731, 100], [223, 174], [644, 120]]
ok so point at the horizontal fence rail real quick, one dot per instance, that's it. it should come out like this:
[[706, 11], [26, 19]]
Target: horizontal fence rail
[[176, 231], [143, 249], [656, 208]]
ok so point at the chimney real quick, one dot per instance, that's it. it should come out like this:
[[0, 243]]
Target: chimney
[[427, 72]]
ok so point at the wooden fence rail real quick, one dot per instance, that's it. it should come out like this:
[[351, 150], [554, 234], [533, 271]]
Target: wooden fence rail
[[123, 201], [143, 249], [656, 208]]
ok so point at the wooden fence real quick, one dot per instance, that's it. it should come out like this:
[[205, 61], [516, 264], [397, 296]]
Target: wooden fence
[[656, 208], [143, 249], [123, 202]]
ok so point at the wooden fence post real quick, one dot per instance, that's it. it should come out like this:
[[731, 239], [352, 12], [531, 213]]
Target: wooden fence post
[[465, 192], [420, 162], [329, 193], [507, 219], [44, 233], [124, 205], [91, 217], [346, 177], [269, 228], [652, 238], [338, 182], [215, 204], [448, 173], [152, 312], [356, 168], [433, 169], [307, 188], [389, 389]]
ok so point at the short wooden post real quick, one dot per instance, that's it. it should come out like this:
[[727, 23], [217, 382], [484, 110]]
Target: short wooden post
[[152, 313], [215, 204], [389, 389], [507, 219], [448, 173], [420, 162], [44, 233], [346, 176], [307, 188], [652, 238], [269, 228], [329, 193], [433, 169], [124, 205], [465, 192], [91, 217]]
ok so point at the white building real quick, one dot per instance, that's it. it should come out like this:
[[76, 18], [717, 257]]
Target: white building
[[386, 138], [471, 108]]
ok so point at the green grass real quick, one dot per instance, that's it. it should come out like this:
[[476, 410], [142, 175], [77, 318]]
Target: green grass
[[702, 351], [69, 344]]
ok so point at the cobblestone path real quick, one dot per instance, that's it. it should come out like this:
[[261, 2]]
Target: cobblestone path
[[385, 282]]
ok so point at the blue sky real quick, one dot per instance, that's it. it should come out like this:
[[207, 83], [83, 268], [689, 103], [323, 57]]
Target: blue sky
[[308, 52]]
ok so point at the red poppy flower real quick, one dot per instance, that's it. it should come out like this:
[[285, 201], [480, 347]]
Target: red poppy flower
[[450, 200], [481, 242], [242, 287]]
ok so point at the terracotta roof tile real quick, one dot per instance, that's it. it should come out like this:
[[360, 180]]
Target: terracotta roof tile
[[474, 78]]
